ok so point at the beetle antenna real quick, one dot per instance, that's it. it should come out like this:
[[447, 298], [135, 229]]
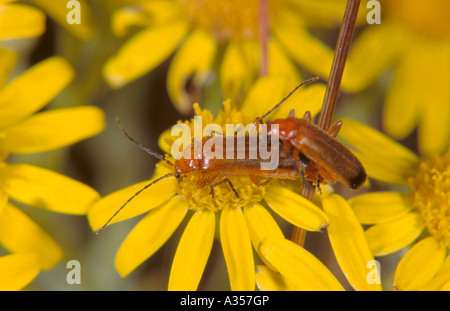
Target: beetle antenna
[[289, 95], [150, 152], [128, 201]]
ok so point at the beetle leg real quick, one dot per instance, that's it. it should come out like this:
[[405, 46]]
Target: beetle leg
[[307, 115], [256, 124], [318, 184], [225, 180], [334, 129], [256, 181], [205, 179], [286, 147]]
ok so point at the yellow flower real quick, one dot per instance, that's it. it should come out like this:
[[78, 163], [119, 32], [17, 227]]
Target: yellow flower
[[297, 269], [219, 34], [241, 221], [400, 218], [24, 131], [413, 39]]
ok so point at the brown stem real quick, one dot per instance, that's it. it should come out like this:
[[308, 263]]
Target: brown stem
[[298, 235], [337, 69]]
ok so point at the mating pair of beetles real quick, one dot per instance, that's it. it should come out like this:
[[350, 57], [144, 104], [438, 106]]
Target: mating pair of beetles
[[308, 152]]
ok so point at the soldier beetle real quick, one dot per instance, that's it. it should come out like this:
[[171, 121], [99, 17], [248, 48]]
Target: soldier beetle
[[322, 157]]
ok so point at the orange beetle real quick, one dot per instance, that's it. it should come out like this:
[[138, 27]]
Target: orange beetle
[[322, 157]]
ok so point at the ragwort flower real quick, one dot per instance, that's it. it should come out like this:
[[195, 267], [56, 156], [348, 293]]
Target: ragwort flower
[[399, 219], [241, 220], [23, 131], [413, 40], [219, 34]]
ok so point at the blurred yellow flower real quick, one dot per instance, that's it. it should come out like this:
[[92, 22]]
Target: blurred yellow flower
[[19, 21], [24, 21], [241, 221], [22, 130], [297, 269], [223, 35], [399, 218], [413, 40]]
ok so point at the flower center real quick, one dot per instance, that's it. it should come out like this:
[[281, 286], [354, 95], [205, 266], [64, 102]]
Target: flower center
[[224, 195], [202, 198], [431, 190], [227, 19], [430, 20]]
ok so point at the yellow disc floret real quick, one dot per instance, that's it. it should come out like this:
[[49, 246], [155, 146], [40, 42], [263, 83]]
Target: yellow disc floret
[[222, 194], [431, 190]]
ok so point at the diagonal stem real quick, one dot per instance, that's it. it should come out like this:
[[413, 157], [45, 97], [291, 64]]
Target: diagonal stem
[[298, 235], [337, 68]]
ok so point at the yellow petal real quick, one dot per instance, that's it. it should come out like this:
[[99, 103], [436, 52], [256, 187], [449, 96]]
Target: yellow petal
[[154, 196], [326, 13], [300, 267], [19, 234], [237, 249], [296, 209], [45, 189], [269, 280], [3, 200], [42, 83], [149, 235], [190, 67], [20, 21], [260, 226], [388, 237], [238, 70], [423, 103], [420, 264], [263, 95], [124, 18], [280, 65], [144, 13], [18, 270], [193, 251], [349, 244], [306, 50], [142, 53], [53, 129], [441, 279], [383, 158], [402, 105], [307, 98], [61, 13], [445, 287], [372, 52], [7, 62], [434, 124], [376, 207]]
